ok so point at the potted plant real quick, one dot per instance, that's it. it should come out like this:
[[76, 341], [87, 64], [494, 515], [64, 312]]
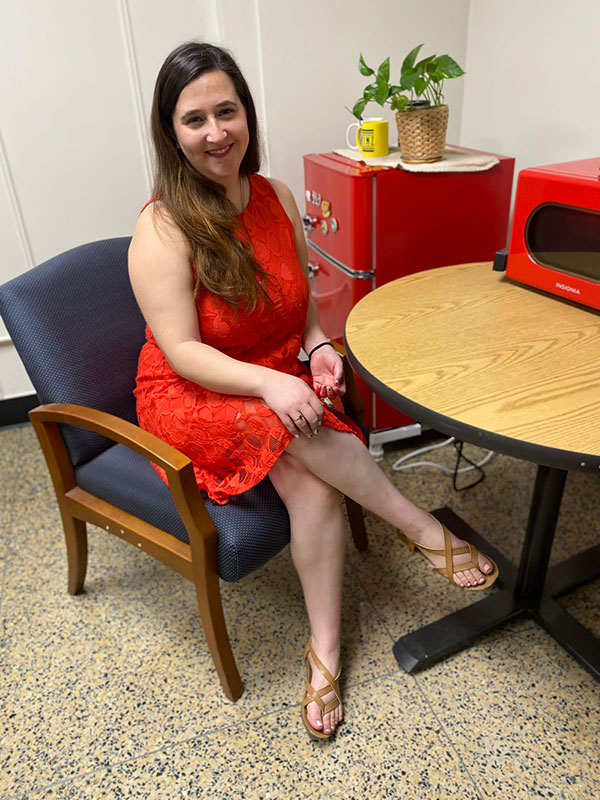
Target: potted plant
[[418, 100]]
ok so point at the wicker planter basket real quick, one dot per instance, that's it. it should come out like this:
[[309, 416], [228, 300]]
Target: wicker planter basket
[[422, 134]]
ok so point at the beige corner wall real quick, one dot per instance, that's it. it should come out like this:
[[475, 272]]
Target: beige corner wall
[[532, 87]]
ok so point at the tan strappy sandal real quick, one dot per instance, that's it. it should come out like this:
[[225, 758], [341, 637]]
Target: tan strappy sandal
[[316, 695], [448, 571]]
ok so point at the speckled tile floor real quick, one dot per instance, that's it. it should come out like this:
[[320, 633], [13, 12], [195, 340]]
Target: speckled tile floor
[[112, 694]]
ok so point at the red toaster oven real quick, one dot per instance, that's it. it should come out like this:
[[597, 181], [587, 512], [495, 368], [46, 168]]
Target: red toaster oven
[[555, 238]]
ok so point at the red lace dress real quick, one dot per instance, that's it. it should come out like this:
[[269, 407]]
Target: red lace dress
[[232, 440]]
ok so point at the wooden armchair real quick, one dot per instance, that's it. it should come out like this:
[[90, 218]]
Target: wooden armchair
[[78, 331]]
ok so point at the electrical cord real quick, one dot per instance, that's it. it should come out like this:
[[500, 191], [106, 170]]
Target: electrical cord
[[400, 464]]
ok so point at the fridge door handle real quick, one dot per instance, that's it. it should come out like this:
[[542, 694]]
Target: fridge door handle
[[309, 222]]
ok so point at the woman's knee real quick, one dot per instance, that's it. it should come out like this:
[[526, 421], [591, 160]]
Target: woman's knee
[[299, 487]]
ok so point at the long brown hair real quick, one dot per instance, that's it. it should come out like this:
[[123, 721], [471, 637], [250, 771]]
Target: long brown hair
[[224, 261]]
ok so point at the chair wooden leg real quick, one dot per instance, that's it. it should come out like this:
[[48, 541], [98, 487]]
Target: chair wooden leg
[[357, 523], [76, 540], [215, 629]]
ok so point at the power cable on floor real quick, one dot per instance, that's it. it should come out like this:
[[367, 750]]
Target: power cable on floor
[[400, 464]]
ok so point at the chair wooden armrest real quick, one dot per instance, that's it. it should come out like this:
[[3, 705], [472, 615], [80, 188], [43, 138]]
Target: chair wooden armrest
[[178, 467], [114, 428]]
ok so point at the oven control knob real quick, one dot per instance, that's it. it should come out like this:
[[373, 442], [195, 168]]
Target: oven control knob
[[309, 222], [334, 225], [324, 227], [312, 269]]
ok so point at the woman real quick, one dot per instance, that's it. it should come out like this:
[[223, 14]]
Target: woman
[[218, 264]]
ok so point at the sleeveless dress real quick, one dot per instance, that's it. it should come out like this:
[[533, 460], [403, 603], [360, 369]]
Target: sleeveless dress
[[233, 440]]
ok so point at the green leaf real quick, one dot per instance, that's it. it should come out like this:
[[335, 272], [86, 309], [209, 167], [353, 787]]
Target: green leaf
[[369, 92], [358, 108], [394, 89], [420, 85], [423, 65], [407, 81], [381, 92], [409, 61], [399, 102], [383, 72], [363, 68], [436, 73], [449, 67]]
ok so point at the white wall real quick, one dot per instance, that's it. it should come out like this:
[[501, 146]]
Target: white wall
[[309, 53], [75, 94], [532, 87]]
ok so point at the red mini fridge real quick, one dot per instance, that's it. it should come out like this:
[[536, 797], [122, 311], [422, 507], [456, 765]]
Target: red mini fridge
[[367, 225]]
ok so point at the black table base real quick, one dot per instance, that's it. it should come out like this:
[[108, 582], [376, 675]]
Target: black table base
[[529, 590]]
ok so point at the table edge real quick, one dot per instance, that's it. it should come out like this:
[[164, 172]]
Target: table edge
[[542, 455]]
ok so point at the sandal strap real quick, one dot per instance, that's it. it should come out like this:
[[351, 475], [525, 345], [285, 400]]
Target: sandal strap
[[313, 696], [319, 664], [448, 570], [316, 695]]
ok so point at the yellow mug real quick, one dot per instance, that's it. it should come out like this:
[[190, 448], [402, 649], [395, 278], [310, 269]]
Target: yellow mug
[[371, 137]]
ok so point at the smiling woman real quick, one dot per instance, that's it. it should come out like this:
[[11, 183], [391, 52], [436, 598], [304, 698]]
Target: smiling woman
[[186, 117], [218, 264], [210, 125]]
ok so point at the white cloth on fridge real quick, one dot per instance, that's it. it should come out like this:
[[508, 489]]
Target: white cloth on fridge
[[454, 159]]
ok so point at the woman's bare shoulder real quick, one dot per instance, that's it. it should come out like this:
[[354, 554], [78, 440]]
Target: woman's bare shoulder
[[156, 236], [158, 248], [155, 225], [282, 191], [286, 198]]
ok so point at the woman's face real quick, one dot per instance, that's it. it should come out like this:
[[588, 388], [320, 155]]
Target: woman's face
[[210, 124]]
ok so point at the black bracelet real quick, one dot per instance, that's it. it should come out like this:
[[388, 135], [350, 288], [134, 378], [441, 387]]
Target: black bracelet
[[310, 355]]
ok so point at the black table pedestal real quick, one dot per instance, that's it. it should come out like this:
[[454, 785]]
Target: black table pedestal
[[529, 590]]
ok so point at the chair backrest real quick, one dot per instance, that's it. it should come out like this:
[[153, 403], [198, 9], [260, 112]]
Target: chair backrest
[[78, 330]]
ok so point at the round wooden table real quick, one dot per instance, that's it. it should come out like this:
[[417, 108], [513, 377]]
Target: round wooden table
[[473, 355]]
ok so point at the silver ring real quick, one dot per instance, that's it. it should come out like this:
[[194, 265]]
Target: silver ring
[[297, 418]]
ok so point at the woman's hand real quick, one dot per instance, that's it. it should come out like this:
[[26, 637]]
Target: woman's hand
[[294, 402], [327, 370]]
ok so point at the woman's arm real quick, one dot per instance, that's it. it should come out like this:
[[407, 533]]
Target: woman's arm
[[326, 364], [162, 281]]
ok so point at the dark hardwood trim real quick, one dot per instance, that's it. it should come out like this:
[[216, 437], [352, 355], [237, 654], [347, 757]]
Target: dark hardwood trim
[[15, 410]]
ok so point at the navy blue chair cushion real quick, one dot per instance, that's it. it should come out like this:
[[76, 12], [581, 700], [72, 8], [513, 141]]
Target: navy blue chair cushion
[[252, 528], [78, 330]]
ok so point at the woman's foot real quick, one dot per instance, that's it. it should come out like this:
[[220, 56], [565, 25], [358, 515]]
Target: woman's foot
[[479, 570], [322, 705]]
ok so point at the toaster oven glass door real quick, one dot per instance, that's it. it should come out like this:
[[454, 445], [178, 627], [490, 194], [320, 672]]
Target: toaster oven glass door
[[566, 239]]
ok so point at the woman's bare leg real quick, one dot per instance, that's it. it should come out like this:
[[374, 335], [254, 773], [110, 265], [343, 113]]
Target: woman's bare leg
[[317, 547], [341, 460]]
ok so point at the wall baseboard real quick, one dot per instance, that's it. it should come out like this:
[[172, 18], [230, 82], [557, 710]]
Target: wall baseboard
[[14, 411]]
